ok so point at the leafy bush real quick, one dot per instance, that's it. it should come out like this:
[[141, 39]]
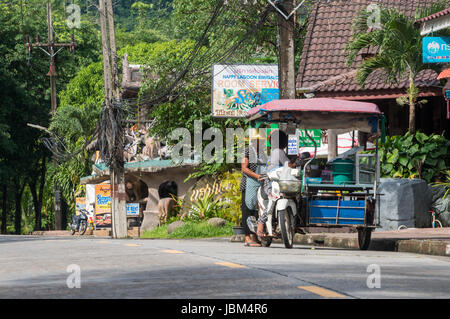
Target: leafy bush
[[414, 156], [445, 183], [233, 198], [205, 208]]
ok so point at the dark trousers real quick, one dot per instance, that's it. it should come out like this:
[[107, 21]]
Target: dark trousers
[[246, 212]]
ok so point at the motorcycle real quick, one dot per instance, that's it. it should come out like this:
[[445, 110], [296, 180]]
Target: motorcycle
[[81, 226], [282, 219]]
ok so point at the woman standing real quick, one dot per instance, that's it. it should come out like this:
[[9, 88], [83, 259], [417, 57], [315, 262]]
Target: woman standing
[[250, 179]]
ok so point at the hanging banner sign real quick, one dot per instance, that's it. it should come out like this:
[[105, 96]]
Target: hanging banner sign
[[238, 88], [436, 49], [103, 204], [80, 203]]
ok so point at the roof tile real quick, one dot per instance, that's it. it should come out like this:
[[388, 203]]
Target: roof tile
[[329, 31]]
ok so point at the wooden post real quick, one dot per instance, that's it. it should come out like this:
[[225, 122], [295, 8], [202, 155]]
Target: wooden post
[[117, 178], [112, 42], [105, 53], [286, 51]]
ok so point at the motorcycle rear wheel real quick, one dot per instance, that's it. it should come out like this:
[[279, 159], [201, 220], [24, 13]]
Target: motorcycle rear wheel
[[285, 220]]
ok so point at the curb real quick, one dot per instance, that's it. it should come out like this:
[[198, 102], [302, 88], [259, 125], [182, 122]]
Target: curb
[[425, 246]]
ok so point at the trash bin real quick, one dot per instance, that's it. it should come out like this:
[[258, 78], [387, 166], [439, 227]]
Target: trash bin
[[343, 171]]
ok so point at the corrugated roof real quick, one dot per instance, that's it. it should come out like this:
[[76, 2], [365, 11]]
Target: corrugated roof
[[316, 105], [323, 56]]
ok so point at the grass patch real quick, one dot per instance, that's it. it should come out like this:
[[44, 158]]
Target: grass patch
[[191, 229]]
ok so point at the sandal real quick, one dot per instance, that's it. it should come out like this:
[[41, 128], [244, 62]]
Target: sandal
[[252, 244], [262, 235]]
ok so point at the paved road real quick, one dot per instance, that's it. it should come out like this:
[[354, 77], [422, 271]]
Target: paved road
[[36, 267]]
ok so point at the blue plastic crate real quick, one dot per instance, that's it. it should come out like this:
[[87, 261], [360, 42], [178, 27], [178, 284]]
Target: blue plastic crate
[[313, 180], [337, 212]]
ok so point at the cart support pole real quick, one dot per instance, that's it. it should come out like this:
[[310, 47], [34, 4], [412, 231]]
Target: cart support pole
[[332, 144]]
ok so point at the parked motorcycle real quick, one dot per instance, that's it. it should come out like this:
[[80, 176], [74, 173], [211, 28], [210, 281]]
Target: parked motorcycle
[[285, 193], [82, 223]]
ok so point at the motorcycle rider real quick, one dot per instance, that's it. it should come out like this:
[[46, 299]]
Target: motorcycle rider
[[278, 157]]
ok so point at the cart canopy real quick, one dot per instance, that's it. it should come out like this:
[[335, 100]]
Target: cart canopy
[[320, 113]]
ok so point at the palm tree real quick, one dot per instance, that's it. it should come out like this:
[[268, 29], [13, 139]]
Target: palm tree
[[398, 47]]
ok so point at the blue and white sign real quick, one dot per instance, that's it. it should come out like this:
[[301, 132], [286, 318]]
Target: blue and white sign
[[293, 145], [436, 49], [132, 209]]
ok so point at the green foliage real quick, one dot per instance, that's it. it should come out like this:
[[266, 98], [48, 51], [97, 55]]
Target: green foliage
[[85, 89], [206, 207], [445, 183], [399, 51], [414, 156], [233, 197], [191, 229]]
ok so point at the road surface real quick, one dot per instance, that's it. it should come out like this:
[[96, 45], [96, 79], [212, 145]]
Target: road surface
[[77, 267]]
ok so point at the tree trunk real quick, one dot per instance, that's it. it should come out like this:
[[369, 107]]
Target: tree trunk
[[412, 95], [37, 208], [37, 197], [412, 118], [18, 211], [4, 207]]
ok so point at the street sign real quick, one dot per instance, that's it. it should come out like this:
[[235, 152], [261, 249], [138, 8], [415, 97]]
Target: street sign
[[447, 94], [238, 88], [436, 49], [305, 141], [293, 145], [132, 209]]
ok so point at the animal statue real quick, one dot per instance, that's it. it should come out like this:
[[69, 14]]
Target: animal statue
[[132, 141], [152, 145], [166, 209]]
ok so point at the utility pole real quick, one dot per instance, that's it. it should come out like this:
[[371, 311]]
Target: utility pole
[[51, 46], [286, 50], [117, 177]]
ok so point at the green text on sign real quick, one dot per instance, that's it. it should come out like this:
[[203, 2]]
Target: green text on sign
[[304, 140]]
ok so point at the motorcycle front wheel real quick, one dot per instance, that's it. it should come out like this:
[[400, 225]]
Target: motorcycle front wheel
[[285, 220], [82, 228]]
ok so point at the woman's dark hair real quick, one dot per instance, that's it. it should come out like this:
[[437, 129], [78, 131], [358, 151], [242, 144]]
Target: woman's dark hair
[[278, 138]]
